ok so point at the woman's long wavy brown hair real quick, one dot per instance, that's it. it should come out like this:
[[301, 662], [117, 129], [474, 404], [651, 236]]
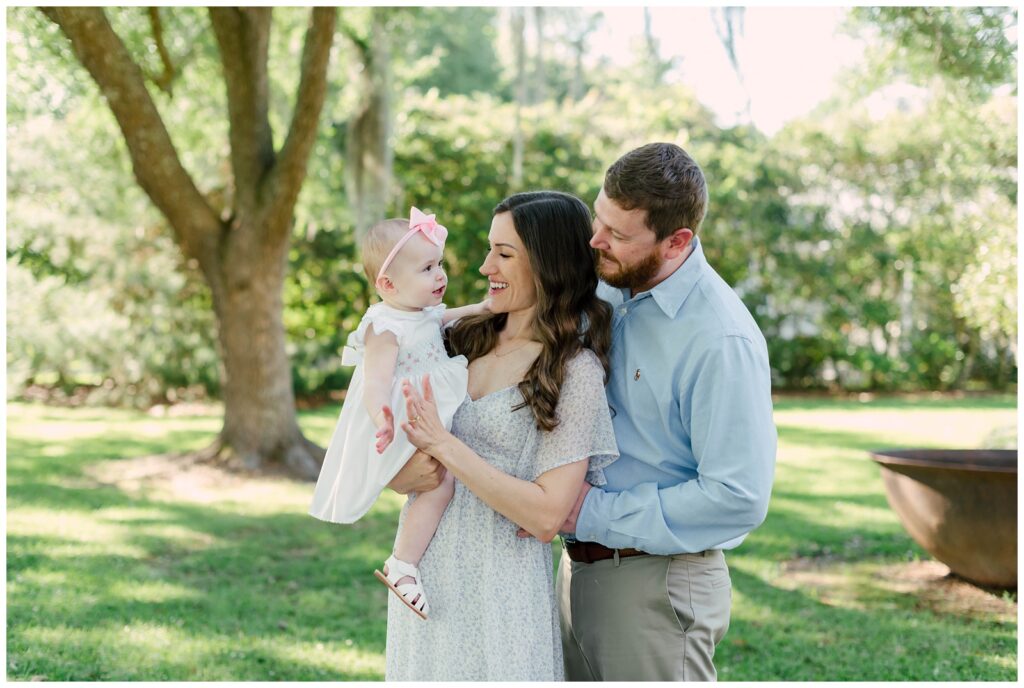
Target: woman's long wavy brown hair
[[555, 228]]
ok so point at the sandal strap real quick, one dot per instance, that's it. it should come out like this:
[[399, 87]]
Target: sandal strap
[[398, 569], [409, 591]]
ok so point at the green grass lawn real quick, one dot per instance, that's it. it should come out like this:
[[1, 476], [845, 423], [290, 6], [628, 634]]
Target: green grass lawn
[[115, 576]]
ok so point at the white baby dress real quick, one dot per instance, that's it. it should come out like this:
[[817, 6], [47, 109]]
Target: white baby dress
[[353, 473]]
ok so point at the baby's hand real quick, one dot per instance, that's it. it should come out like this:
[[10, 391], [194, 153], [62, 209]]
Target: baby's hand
[[385, 429], [486, 305]]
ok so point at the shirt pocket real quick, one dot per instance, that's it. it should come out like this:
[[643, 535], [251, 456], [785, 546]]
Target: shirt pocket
[[652, 397]]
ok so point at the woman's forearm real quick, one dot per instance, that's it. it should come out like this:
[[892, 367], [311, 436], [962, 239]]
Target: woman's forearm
[[453, 314], [538, 509]]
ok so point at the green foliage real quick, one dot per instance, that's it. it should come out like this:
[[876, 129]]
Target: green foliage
[[873, 240], [325, 296], [453, 156], [921, 199], [966, 44], [457, 47], [98, 295]]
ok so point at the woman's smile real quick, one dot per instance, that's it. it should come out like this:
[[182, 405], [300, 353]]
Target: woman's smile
[[507, 265]]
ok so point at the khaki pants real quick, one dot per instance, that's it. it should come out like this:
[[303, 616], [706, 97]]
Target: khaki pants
[[643, 618]]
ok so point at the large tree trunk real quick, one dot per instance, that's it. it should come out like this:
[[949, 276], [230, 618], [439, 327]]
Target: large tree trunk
[[539, 86], [518, 142], [242, 258], [368, 152], [257, 383]]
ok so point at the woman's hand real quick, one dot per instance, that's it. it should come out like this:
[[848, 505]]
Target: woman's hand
[[423, 427]]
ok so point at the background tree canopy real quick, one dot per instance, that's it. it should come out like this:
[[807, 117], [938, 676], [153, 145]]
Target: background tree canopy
[[875, 246]]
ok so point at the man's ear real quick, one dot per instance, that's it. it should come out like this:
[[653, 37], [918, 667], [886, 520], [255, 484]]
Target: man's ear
[[384, 284], [677, 242]]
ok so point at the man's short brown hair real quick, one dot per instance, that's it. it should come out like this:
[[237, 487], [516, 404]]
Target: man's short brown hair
[[664, 180]]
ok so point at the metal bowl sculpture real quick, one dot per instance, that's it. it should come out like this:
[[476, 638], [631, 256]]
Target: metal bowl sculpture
[[960, 505]]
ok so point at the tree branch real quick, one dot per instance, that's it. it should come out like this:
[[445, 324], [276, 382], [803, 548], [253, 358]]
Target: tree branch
[[243, 36], [361, 43], [165, 80], [155, 161], [285, 181]]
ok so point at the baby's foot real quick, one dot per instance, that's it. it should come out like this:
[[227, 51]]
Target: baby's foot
[[408, 589], [402, 581]]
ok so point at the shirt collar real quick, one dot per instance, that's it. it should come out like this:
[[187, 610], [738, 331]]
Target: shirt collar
[[672, 291]]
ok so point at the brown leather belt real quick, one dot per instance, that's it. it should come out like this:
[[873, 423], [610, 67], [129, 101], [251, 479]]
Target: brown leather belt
[[589, 552]]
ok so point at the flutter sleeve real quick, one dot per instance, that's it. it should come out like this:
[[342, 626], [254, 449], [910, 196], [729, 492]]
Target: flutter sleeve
[[382, 320], [584, 429]]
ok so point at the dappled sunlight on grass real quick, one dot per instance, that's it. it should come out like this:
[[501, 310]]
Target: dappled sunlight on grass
[[149, 651], [151, 592], [360, 664], [127, 570], [829, 514], [69, 526], [838, 512], [951, 427], [318, 425]]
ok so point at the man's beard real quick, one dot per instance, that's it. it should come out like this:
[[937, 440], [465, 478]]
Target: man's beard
[[635, 277]]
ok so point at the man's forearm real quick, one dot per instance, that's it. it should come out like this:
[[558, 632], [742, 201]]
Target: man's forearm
[[421, 473], [689, 517]]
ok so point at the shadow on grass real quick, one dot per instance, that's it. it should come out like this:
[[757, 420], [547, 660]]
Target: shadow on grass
[[838, 439], [874, 500], [27, 459], [238, 588], [875, 637], [189, 591], [224, 581], [789, 533]]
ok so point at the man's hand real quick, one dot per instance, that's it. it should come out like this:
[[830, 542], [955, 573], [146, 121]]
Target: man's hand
[[569, 527], [421, 473]]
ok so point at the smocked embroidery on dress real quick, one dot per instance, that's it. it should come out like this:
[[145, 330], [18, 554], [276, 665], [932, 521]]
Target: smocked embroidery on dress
[[353, 474]]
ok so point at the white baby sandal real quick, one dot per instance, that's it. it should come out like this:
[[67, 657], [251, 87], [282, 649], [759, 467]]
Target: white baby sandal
[[411, 594]]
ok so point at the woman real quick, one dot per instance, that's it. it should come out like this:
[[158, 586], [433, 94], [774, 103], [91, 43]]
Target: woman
[[534, 425]]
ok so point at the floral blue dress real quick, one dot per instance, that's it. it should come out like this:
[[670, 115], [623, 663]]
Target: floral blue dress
[[493, 615]]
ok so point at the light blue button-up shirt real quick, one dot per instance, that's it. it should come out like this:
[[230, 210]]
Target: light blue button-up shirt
[[690, 391]]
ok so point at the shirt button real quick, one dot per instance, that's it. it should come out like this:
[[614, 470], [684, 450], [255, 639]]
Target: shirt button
[[623, 310]]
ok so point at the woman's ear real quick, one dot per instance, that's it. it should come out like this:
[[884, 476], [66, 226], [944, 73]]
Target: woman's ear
[[677, 242]]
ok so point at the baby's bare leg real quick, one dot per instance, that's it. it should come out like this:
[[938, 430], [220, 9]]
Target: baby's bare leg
[[421, 522]]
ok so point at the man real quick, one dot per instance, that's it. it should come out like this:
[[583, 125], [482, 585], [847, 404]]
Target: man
[[643, 587]]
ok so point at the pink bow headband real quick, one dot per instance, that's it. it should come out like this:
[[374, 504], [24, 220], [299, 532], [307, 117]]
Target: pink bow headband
[[418, 222]]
